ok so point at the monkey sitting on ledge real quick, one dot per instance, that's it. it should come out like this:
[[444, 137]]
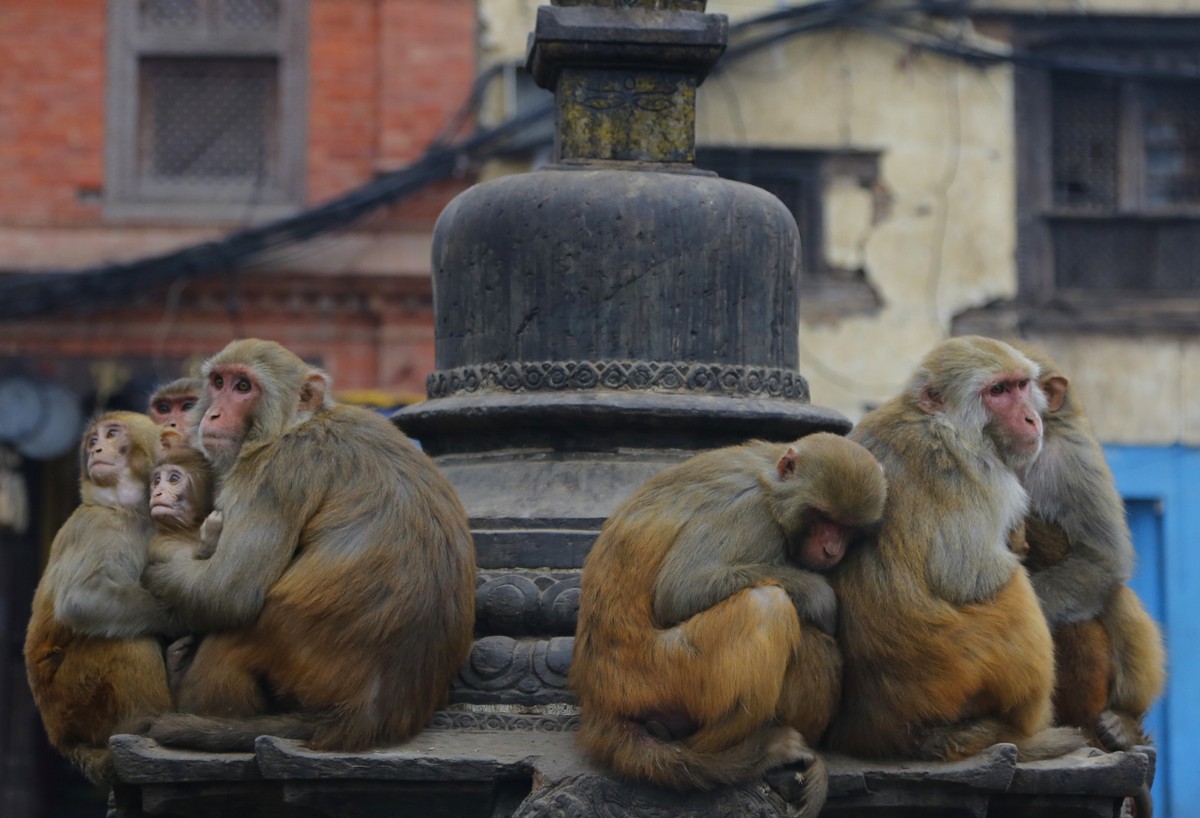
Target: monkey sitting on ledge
[[91, 652], [704, 652], [339, 602]]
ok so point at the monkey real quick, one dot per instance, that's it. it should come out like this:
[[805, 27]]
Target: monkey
[[704, 651], [172, 402], [946, 651], [1110, 656], [339, 602], [181, 491], [91, 653]]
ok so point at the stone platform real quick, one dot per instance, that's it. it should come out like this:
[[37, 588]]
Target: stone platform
[[469, 764]]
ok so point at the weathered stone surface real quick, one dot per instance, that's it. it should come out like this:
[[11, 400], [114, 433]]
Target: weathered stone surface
[[138, 759], [1085, 772], [989, 771], [584, 796], [523, 602], [503, 670]]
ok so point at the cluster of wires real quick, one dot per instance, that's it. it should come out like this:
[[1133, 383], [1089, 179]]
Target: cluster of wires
[[920, 25]]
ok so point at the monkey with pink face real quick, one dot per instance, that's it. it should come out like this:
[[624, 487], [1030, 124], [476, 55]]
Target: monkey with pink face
[[946, 649]]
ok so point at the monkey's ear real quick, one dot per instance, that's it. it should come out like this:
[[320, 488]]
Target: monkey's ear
[[787, 464], [1055, 388], [312, 394], [930, 401]]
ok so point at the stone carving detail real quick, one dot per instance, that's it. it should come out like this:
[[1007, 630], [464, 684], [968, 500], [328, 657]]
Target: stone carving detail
[[590, 796], [538, 376], [503, 670], [536, 723], [519, 604]]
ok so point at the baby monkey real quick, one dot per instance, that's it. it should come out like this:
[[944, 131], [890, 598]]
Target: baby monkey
[[181, 503], [704, 653]]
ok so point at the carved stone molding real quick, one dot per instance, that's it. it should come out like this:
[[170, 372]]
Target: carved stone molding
[[532, 722], [527, 603], [503, 670], [539, 376]]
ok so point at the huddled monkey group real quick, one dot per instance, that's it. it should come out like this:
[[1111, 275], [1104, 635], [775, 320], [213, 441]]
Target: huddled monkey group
[[260, 560]]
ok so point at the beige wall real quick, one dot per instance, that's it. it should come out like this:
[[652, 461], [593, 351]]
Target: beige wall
[[946, 240]]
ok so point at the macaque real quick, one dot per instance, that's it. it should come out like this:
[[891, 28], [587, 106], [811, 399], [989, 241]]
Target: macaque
[[339, 602], [1110, 657], [91, 653], [181, 491], [946, 650], [704, 653], [172, 402]]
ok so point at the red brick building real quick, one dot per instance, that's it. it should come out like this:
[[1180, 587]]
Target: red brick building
[[131, 129]]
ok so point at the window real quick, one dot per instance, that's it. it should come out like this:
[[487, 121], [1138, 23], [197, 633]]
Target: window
[[800, 179], [205, 107], [1109, 165]]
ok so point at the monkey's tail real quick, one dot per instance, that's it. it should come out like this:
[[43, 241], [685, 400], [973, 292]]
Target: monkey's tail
[[227, 735], [633, 752], [1049, 743], [95, 763]]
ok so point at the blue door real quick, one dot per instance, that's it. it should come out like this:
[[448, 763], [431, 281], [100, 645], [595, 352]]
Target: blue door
[[1161, 487]]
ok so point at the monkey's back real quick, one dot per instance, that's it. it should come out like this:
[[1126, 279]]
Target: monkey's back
[[384, 569]]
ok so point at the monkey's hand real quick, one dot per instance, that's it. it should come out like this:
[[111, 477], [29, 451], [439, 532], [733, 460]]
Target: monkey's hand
[[210, 532], [179, 655], [814, 599]]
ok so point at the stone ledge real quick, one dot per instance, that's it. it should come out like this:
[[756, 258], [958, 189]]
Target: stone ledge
[[513, 771]]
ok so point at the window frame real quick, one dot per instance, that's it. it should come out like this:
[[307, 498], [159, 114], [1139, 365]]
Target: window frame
[[126, 195], [1040, 300], [826, 292]]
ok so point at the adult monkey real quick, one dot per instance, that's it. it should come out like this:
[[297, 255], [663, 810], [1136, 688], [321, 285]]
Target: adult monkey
[[946, 650], [1111, 663], [704, 653], [172, 402], [339, 602], [91, 654]]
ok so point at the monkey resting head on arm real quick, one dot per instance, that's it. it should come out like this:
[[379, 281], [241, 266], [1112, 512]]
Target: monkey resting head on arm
[[704, 653], [339, 602], [1109, 652], [91, 654], [946, 649]]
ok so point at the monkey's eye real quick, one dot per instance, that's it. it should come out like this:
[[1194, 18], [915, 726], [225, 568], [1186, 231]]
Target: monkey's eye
[[92, 440], [188, 404], [1024, 382], [998, 388], [242, 385], [218, 381], [162, 408], [110, 434], [156, 479], [174, 477]]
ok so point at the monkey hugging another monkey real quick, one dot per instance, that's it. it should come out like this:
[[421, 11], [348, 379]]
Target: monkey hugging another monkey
[[704, 652]]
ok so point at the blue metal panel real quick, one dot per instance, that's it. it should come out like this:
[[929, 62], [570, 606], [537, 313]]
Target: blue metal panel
[[1162, 491]]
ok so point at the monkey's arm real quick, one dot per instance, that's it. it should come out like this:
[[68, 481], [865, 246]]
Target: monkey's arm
[[1076, 588], [263, 519], [681, 595]]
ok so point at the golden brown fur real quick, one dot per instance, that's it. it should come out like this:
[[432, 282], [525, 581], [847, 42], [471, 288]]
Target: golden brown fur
[[945, 647], [697, 615], [339, 603], [90, 653], [1111, 663], [174, 533]]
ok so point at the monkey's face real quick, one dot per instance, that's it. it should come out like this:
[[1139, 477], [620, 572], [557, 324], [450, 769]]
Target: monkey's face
[[1015, 421], [824, 543], [172, 412], [170, 495], [234, 393], [107, 452]]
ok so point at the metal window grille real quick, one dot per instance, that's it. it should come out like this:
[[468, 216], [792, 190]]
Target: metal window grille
[[208, 120], [1084, 145]]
